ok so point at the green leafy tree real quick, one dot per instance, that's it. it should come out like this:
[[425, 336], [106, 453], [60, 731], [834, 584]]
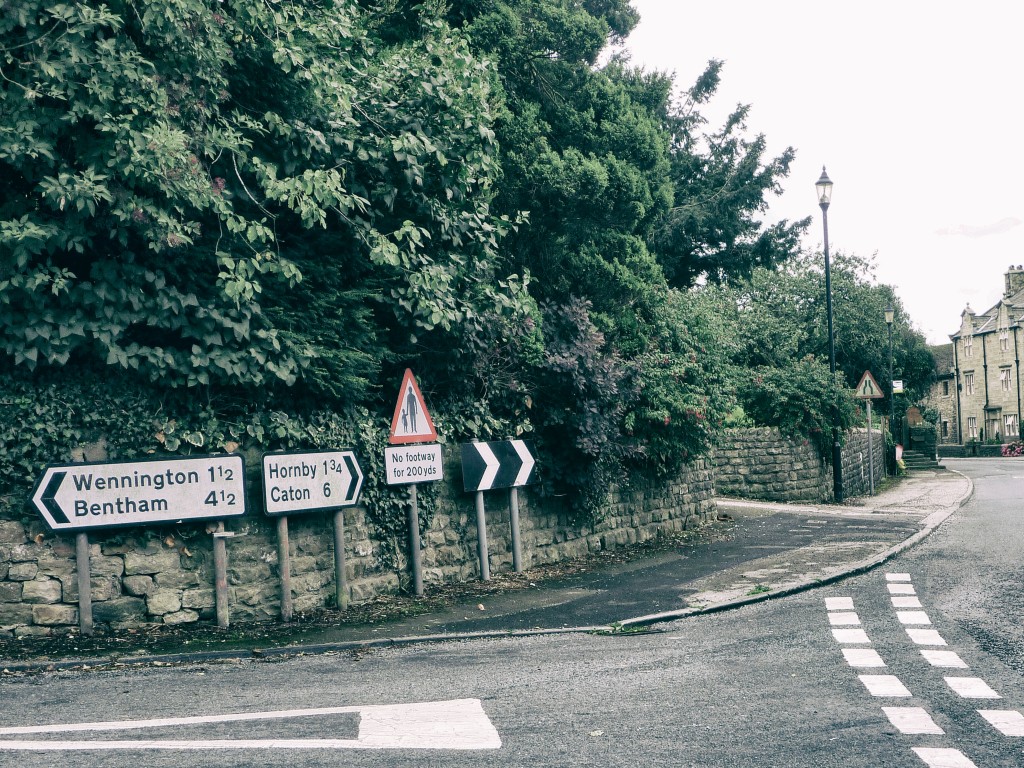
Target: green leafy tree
[[241, 194]]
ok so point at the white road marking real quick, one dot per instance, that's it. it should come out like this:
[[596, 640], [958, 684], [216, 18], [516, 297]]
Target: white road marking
[[944, 758], [901, 589], [863, 657], [897, 577], [912, 720], [905, 601], [884, 686], [839, 603], [943, 659], [971, 688], [913, 617], [460, 724], [1008, 722], [844, 619], [851, 636], [925, 636]]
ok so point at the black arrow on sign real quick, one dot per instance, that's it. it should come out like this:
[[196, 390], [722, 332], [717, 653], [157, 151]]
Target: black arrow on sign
[[355, 474], [49, 499]]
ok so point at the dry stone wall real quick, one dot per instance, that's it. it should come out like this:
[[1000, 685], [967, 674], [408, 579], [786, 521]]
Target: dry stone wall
[[165, 575], [764, 464]]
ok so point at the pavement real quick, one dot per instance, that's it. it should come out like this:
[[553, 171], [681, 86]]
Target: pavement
[[755, 551]]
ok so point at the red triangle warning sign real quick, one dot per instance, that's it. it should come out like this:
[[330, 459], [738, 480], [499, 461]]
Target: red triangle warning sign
[[411, 422], [868, 388]]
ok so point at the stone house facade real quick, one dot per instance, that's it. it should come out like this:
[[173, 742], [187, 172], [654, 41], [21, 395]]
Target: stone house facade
[[943, 396], [986, 369]]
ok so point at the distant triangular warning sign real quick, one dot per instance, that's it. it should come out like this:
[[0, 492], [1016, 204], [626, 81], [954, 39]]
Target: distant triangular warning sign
[[868, 388], [411, 422]]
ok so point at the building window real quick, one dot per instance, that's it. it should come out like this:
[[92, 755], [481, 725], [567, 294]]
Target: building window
[[945, 429], [1004, 340], [972, 427], [969, 383], [1004, 379], [945, 389], [968, 345], [1010, 426]]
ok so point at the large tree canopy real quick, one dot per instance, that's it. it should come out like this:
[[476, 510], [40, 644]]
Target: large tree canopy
[[240, 193]]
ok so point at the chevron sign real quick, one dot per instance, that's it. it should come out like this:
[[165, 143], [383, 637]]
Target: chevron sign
[[500, 464]]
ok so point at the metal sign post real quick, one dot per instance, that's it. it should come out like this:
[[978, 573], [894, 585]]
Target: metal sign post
[[499, 464], [284, 566], [409, 461], [513, 513], [295, 483], [868, 389], [84, 584]]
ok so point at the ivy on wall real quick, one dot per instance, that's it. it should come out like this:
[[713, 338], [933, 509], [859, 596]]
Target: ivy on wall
[[53, 418]]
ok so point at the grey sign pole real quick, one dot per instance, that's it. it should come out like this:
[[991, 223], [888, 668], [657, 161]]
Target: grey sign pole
[[414, 543], [871, 454], [284, 567], [517, 546], [220, 574], [481, 533], [340, 579], [84, 584]]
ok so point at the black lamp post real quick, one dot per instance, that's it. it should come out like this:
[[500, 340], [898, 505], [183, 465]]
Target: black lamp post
[[824, 188], [890, 315]]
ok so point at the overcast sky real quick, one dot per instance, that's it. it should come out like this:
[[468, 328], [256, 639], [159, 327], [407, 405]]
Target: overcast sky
[[915, 109]]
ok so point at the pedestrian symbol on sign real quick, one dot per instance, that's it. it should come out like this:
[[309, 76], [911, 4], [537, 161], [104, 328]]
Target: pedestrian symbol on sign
[[411, 422]]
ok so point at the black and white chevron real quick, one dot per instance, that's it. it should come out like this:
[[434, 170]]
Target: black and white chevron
[[499, 464]]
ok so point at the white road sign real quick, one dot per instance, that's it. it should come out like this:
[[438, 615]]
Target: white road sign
[[409, 464], [307, 482], [78, 497]]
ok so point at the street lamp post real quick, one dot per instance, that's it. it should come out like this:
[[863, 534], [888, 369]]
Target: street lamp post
[[824, 188], [890, 315]]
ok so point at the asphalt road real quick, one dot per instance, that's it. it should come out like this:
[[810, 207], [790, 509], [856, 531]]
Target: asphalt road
[[782, 683]]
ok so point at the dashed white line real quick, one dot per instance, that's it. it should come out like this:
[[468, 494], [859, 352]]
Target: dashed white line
[[863, 657], [912, 721], [839, 603], [851, 636], [925, 636], [897, 577], [905, 601], [844, 619], [1008, 722], [884, 686], [913, 617], [901, 589], [944, 758], [943, 659], [971, 688]]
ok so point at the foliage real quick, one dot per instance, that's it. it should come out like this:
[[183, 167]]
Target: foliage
[[1016, 448], [47, 419], [780, 315], [799, 400], [194, 191], [714, 230]]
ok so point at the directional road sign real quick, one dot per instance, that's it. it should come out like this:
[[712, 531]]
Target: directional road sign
[[79, 497], [309, 482], [500, 464]]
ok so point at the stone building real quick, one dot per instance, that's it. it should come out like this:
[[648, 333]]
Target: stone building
[[985, 403], [943, 395]]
